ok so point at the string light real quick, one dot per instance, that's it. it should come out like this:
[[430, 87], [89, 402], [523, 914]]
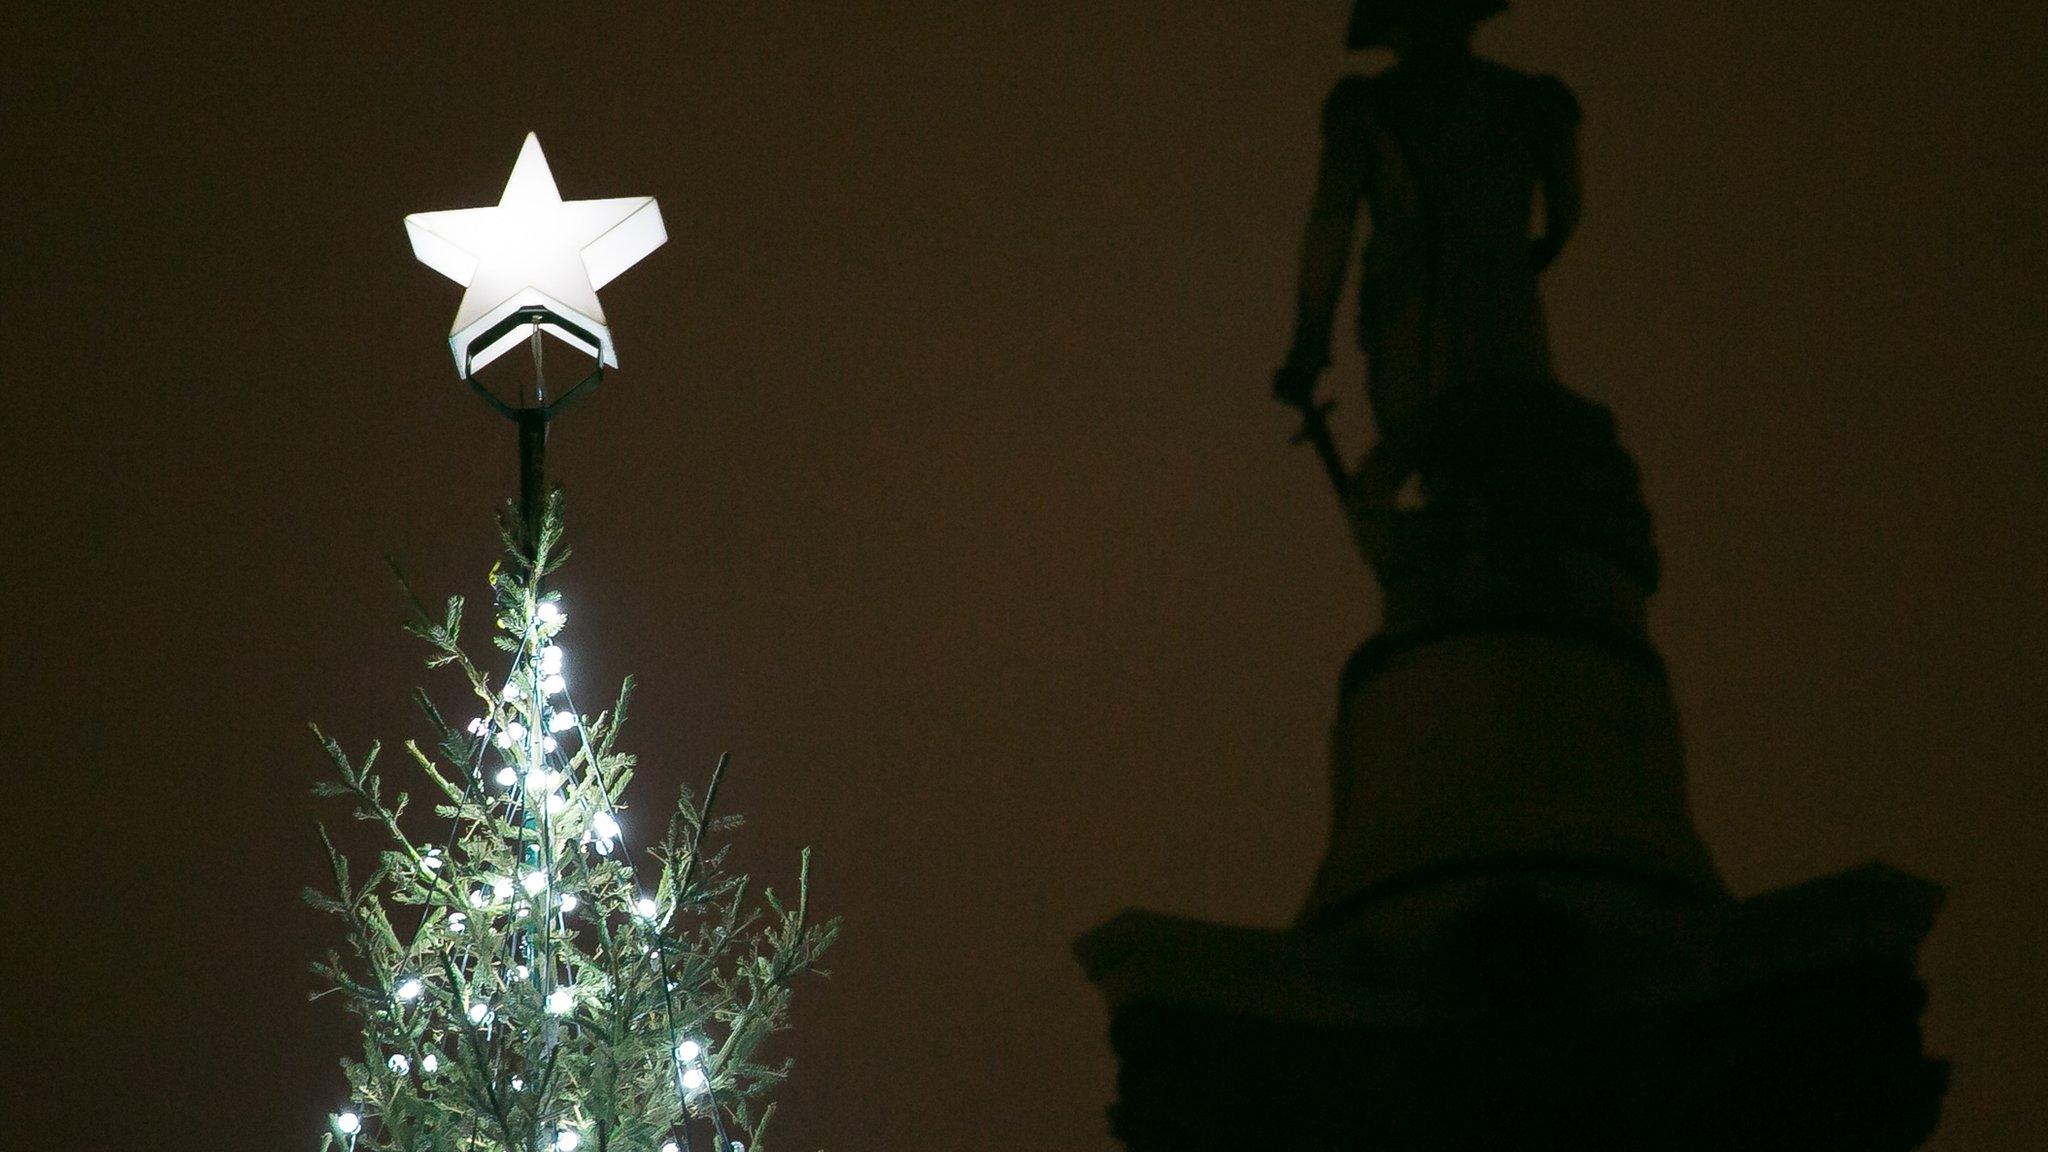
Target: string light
[[547, 743], [501, 887], [430, 1063], [398, 1063], [457, 922], [507, 777], [349, 1123], [671, 1146], [689, 1050], [605, 825], [550, 660], [561, 721], [478, 726], [568, 1139], [549, 612], [502, 740], [645, 907], [511, 689], [556, 804], [554, 685], [568, 901], [410, 990], [479, 1012], [432, 860], [534, 883], [516, 730], [693, 1079], [521, 972], [562, 1001], [477, 898]]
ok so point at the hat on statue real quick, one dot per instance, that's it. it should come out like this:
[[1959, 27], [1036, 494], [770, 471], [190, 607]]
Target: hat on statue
[[1373, 22]]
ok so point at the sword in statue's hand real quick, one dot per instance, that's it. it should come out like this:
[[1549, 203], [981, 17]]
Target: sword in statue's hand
[[1296, 387]]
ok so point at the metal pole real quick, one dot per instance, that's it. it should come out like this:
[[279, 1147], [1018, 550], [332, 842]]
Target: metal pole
[[533, 448], [532, 419]]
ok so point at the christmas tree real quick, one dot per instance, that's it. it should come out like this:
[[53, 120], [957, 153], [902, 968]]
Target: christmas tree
[[521, 984]]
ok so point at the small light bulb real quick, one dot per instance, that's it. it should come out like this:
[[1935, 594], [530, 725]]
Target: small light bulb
[[605, 825], [516, 730], [521, 908], [457, 922], [501, 887], [646, 907], [550, 660], [349, 1123], [671, 1146], [561, 721], [693, 1079], [548, 611], [739, 1146], [410, 990], [398, 1063], [511, 691], [568, 1140], [689, 1050], [561, 1001], [430, 1063], [547, 744], [568, 901], [479, 1012], [554, 685], [534, 883], [518, 1084], [478, 726], [507, 777], [521, 972], [556, 804], [478, 898], [502, 740], [432, 861], [604, 847]]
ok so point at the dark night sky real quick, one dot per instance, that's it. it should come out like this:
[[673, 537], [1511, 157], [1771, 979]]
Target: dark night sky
[[940, 484]]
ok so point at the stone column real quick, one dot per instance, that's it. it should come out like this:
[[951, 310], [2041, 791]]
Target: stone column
[[1516, 938]]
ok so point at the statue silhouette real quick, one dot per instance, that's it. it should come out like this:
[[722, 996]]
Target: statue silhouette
[[1516, 938], [1447, 152]]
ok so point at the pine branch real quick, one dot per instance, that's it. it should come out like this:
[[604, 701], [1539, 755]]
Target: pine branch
[[715, 965]]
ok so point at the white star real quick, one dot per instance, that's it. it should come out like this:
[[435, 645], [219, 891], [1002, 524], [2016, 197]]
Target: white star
[[535, 249]]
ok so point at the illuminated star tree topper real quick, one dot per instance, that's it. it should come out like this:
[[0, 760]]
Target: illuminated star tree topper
[[532, 264], [534, 252]]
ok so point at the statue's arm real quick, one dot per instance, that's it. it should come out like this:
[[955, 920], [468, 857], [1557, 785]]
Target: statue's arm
[[1558, 175], [1326, 242]]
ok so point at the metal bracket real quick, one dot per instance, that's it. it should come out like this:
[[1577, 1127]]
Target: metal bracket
[[532, 421]]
